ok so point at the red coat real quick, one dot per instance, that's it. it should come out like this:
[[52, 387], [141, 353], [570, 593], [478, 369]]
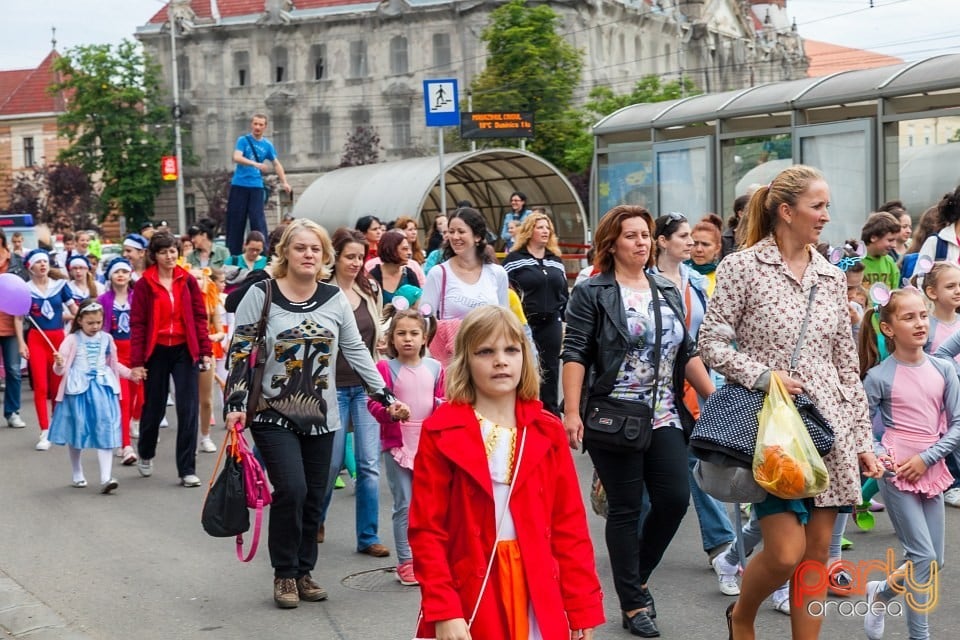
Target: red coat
[[452, 526]]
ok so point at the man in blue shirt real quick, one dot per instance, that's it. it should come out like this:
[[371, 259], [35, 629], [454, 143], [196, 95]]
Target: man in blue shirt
[[254, 155]]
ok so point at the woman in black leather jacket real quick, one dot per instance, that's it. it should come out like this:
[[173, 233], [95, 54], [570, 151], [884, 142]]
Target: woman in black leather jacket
[[622, 325]]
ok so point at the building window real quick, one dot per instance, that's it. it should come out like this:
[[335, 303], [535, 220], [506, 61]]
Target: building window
[[190, 207], [29, 156], [321, 132], [667, 62], [441, 50], [398, 55], [318, 61], [358, 59], [241, 68], [279, 59], [359, 118], [400, 118], [281, 135], [183, 72], [213, 150]]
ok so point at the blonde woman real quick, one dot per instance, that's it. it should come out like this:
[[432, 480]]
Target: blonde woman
[[535, 270], [309, 321]]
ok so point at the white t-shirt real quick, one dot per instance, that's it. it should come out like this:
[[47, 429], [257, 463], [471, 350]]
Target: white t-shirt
[[461, 297]]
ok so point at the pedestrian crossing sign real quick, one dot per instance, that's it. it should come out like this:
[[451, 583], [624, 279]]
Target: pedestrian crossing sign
[[441, 102]]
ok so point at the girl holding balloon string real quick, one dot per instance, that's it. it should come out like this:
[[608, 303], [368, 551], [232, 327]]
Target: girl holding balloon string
[[48, 299]]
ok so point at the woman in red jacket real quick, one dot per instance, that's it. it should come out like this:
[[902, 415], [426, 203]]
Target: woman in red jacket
[[498, 557], [168, 337]]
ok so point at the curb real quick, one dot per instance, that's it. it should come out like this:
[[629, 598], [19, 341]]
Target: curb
[[24, 616]]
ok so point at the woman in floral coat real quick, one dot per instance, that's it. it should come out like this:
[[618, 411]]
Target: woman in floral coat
[[759, 304]]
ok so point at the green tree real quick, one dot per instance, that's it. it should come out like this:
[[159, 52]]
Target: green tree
[[604, 101], [530, 67], [116, 122]]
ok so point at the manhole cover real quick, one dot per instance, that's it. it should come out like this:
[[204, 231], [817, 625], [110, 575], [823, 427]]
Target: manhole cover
[[375, 580]]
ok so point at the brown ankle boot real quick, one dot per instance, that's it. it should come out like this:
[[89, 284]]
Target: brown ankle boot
[[309, 590]]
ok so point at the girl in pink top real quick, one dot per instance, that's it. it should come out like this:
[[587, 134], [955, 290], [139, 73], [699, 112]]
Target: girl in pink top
[[942, 286], [417, 381], [917, 399]]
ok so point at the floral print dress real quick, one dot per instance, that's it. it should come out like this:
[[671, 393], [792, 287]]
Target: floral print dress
[[759, 305]]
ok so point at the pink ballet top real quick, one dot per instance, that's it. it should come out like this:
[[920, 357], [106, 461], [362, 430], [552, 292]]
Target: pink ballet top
[[415, 386], [918, 422]]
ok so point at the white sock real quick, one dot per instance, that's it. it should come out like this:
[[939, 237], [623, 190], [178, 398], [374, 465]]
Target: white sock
[[75, 463], [105, 457]]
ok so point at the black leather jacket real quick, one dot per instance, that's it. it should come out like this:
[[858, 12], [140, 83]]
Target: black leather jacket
[[596, 336]]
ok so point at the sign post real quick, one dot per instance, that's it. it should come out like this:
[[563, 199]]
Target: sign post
[[441, 104]]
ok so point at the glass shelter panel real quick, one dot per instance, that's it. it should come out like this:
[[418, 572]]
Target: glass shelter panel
[[625, 177], [684, 177], [844, 154], [751, 160], [918, 171]]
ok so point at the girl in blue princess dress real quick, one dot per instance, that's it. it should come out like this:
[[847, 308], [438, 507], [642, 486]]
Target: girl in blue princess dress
[[87, 415]]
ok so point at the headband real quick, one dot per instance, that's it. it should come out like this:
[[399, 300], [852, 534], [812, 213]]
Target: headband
[[93, 306], [846, 256], [135, 241], [118, 264], [78, 261], [37, 255]]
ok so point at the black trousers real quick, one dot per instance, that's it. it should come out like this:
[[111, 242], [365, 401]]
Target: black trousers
[[548, 336], [177, 362], [663, 469], [297, 466]]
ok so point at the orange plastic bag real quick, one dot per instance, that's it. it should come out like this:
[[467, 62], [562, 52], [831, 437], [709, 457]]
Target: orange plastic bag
[[785, 461]]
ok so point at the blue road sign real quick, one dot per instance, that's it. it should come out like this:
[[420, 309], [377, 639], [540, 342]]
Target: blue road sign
[[441, 102]]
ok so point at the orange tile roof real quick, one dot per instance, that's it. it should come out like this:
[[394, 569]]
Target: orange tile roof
[[29, 94], [233, 8], [826, 58]]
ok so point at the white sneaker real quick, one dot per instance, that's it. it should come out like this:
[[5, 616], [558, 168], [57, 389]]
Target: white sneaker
[[163, 423], [129, 456], [951, 497], [14, 421], [781, 599], [190, 480], [727, 575], [169, 400], [44, 443], [145, 467], [873, 620], [207, 445], [134, 428]]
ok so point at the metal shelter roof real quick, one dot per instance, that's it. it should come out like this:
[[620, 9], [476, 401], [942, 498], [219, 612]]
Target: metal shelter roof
[[412, 188], [936, 73]]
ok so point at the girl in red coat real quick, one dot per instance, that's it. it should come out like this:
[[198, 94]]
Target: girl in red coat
[[497, 525]]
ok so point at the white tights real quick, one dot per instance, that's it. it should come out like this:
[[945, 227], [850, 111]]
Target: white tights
[[104, 457]]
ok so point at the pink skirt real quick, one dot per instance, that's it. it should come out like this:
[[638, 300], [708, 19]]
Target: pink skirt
[[935, 480]]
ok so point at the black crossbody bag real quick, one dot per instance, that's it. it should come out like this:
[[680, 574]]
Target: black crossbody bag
[[623, 425], [256, 156]]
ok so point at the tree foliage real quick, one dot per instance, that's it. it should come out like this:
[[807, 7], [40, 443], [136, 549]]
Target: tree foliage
[[604, 101], [59, 195], [362, 147], [116, 123], [530, 67]]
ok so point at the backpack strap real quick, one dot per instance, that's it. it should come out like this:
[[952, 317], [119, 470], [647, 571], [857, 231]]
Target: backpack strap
[[941, 252]]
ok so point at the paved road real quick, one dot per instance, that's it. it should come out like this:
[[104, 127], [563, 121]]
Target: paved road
[[137, 564]]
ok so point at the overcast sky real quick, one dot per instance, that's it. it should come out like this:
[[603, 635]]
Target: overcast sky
[[909, 29]]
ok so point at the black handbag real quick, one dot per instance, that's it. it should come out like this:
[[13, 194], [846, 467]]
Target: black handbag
[[225, 513], [726, 432], [622, 425]]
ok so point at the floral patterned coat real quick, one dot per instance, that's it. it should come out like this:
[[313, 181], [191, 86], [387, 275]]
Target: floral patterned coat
[[763, 302]]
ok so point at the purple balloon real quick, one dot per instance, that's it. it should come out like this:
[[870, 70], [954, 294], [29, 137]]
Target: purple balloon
[[14, 295]]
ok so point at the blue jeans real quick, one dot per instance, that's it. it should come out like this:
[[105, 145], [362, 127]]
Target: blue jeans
[[366, 436], [715, 527], [11, 367]]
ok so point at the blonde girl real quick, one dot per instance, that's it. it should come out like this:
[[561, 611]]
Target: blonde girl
[[87, 415], [915, 402], [942, 287], [494, 480], [416, 381], [211, 299]]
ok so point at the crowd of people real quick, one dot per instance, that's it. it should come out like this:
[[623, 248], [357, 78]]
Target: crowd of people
[[460, 374]]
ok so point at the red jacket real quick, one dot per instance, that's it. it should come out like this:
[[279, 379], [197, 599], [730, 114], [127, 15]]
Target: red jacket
[[452, 526], [143, 314]]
